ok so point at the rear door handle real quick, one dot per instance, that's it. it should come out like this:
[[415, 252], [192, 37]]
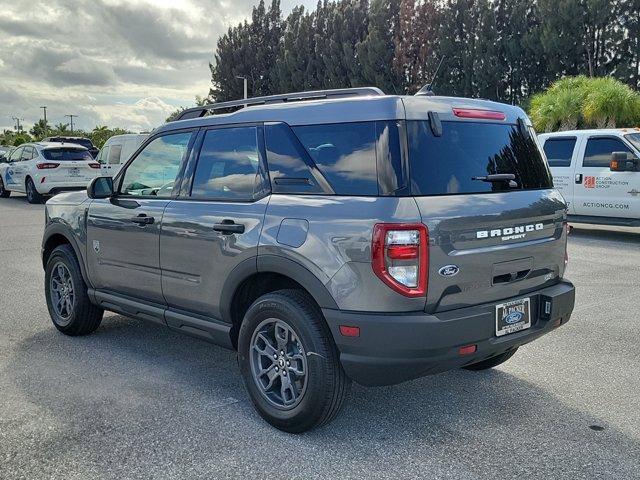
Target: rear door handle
[[227, 227], [143, 219], [578, 178]]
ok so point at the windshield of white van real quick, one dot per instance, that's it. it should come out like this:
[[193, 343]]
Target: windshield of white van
[[474, 157], [634, 139]]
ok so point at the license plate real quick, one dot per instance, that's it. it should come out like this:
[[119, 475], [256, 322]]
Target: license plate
[[74, 172], [513, 316]]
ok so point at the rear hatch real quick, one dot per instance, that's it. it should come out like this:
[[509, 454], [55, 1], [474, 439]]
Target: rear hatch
[[489, 240], [73, 164]]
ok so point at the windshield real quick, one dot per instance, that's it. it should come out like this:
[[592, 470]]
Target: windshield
[[634, 139], [66, 154], [451, 163]]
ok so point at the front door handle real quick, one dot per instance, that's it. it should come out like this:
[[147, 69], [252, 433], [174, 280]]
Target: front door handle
[[227, 227], [143, 219], [578, 178]]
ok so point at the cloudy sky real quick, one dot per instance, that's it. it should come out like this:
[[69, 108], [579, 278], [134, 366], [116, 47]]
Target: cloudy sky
[[122, 63]]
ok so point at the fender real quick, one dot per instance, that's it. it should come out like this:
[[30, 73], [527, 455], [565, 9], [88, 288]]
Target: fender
[[67, 233], [273, 264]]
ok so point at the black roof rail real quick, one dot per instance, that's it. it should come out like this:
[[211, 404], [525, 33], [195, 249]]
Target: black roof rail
[[197, 112]]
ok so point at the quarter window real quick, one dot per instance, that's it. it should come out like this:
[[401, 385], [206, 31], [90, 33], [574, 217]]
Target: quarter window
[[154, 171], [559, 151], [599, 150], [345, 153], [228, 165]]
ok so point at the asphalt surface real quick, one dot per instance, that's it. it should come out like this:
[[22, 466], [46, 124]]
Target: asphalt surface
[[135, 400]]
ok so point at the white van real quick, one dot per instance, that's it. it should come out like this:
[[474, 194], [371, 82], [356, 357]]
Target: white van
[[599, 187], [117, 150]]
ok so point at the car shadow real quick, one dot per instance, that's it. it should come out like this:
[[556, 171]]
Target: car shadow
[[135, 385], [629, 235]]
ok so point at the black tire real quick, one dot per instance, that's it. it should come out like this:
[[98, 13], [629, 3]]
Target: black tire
[[492, 361], [3, 192], [324, 387], [32, 194], [81, 317]]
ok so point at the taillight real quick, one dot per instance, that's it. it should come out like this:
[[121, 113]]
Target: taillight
[[400, 257], [47, 165], [477, 113], [94, 165]]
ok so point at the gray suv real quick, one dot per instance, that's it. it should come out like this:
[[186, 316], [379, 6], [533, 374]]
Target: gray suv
[[326, 236]]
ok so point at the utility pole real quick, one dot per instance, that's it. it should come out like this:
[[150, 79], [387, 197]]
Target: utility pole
[[71, 118], [44, 109], [245, 85], [18, 126]]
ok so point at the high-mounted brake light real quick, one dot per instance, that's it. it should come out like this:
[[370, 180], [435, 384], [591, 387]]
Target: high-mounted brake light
[[47, 165], [400, 257], [477, 113]]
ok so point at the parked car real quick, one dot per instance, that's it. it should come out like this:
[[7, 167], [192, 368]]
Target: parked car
[[85, 142], [117, 150], [597, 187], [45, 168], [346, 235]]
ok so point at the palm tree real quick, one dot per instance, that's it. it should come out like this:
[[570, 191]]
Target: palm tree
[[61, 128]]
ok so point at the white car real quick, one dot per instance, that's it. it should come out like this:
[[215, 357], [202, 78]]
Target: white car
[[599, 187], [117, 150], [39, 169]]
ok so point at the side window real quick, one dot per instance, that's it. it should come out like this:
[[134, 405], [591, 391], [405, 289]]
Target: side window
[[114, 154], [102, 157], [154, 170], [392, 174], [345, 153], [26, 154], [290, 168], [599, 150], [17, 154], [559, 151], [228, 164]]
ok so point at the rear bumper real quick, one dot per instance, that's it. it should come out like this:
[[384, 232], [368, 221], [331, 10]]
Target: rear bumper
[[396, 347]]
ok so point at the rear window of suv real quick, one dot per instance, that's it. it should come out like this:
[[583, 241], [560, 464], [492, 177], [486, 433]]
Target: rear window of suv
[[66, 154], [445, 165]]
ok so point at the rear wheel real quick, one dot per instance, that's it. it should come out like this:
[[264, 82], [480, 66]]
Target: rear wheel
[[4, 193], [289, 362], [32, 194], [492, 361], [69, 306]]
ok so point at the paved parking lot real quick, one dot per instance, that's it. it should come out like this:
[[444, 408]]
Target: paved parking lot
[[137, 401]]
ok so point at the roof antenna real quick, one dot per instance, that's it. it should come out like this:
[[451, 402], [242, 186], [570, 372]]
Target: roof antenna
[[427, 90]]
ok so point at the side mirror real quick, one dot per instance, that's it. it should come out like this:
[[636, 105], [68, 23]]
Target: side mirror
[[623, 162], [100, 187]]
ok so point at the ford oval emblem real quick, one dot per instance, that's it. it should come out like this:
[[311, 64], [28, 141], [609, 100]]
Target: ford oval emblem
[[514, 317], [449, 270]]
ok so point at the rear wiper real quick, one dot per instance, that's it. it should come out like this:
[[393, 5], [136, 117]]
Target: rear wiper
[[499, 177]]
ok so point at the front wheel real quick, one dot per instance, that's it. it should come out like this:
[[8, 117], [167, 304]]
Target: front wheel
[[69, 306], [492, 361], [289, 362], [32, 194], [4, 193]]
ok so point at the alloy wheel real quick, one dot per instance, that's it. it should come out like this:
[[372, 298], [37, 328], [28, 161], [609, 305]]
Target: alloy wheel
[[62, 292], [278, 363]]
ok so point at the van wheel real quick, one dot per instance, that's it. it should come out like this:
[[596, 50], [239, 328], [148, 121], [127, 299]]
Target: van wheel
[[289, 362], [492, 361], [4, 193], [32, 194], [69, 306]]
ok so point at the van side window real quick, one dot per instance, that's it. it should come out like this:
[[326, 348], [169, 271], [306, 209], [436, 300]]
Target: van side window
[[290, 168], [228, 165], [559, 151], [599, 150], [345, 153], [114, 154]]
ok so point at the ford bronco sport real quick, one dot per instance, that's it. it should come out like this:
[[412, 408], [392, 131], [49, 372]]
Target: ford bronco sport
[[326, 236]]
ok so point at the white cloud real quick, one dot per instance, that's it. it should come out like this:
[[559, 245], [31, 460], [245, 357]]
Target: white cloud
[[125, 63]]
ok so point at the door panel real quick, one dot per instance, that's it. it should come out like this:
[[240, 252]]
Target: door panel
[[123, 256], [196, 259], [561, 153], [598, 190]]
